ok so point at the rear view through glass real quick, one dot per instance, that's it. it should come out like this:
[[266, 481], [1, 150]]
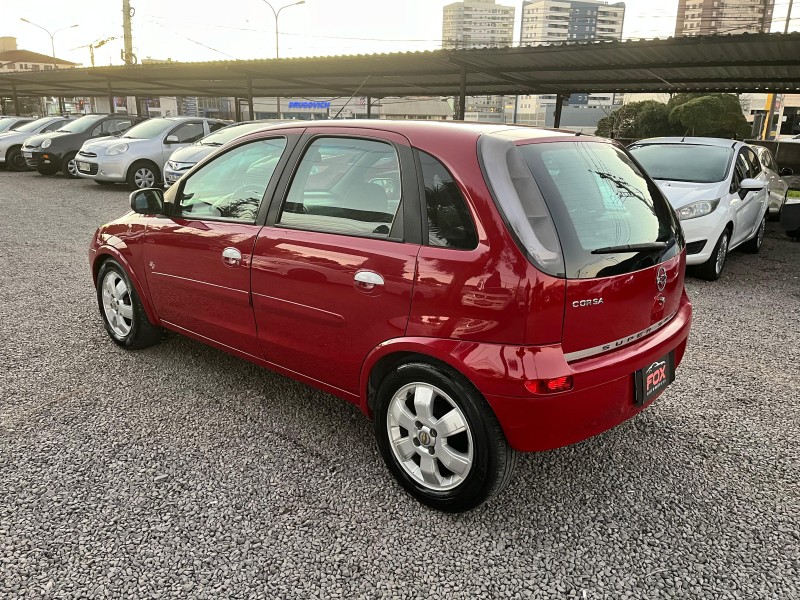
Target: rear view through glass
[[684, 162], [609, 218]]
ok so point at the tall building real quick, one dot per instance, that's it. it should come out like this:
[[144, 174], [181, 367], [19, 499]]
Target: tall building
[[570, 21], [479, 24], [553, 21], [704, 17]]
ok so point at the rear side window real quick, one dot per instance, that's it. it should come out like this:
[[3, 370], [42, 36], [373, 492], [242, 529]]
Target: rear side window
[[595, 198], [449, 221], [347, 186]]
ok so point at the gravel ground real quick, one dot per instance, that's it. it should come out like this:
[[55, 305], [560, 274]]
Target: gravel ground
[[180, 471]]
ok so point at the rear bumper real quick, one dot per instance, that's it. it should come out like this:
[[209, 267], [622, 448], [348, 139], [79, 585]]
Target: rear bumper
[[603, 395]]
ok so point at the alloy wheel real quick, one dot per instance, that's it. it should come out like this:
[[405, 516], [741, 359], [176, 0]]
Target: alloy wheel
[[761, 230], [117, 304], [144, 178], [72, 167], [722, 252], [430, 436]]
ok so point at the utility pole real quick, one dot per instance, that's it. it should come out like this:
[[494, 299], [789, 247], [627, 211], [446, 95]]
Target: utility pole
[[127, 12], [773, 99]]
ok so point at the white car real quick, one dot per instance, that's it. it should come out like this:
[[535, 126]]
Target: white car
[[138, 156], [718, 189]]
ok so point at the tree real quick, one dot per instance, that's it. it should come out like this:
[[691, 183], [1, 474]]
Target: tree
[[636, 120], [710, 115]]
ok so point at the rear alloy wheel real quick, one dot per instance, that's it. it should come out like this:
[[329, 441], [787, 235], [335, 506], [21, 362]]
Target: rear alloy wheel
[[123, 315], [142, 175], [712, 268], [753, 245], [440, 439], [15, 161], [70, 167]]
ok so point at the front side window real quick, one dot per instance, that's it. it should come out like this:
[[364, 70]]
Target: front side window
[[231, 187], [449, 221], [342, 186], [188, 133]]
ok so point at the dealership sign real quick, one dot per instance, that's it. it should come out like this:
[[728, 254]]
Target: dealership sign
[[322, 105]]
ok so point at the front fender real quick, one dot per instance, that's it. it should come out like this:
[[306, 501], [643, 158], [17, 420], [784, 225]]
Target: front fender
[[113, 247]]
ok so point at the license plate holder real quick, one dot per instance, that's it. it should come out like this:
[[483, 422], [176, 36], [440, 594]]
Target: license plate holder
[[27, 154], [654, 379], [84, 166]]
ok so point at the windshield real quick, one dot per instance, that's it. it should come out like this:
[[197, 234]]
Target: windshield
[[80, 125], [149, 129], [583, 202], [684, 162], [226, 134], [9, 124], [34, 125]]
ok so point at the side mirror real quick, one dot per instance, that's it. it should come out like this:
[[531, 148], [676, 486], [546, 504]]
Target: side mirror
[[785, 172], [171, 139], [751, 184], [149, 201]]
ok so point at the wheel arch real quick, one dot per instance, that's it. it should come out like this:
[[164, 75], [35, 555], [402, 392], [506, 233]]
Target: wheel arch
[[144, 161], [105, 253]]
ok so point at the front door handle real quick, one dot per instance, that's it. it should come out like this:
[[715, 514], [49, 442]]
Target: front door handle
[[367, 280], [231, 257]]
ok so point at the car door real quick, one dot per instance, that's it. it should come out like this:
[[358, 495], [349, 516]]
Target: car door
[[777, 186], [333, 269], [198, 258], [745, 205], [184, 134]]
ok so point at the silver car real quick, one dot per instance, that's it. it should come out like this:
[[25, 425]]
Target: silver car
[[777, 187], [138, 157], [10, 123], [11, 141]]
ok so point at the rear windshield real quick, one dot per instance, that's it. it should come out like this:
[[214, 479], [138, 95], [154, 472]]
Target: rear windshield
[[575, 206], [684, 162]]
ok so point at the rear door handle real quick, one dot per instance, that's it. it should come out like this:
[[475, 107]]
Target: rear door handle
[[231, 257]]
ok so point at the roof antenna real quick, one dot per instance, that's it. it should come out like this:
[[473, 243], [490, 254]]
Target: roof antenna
[[351, 97], [683, 139]]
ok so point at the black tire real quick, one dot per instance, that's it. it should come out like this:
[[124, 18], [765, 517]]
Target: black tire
[[68, 166], [134, 181], [141, 332], [492, 461], [46, 170], [15, 161], [710, 270], [753, 245], [103, 182]]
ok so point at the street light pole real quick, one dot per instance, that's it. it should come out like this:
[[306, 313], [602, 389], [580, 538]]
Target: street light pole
[[53, 50], [276, 14]]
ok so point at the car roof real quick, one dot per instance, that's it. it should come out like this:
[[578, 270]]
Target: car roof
[[413, 129], [692, 141]]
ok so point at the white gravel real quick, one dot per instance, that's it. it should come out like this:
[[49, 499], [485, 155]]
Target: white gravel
[[180, 471]]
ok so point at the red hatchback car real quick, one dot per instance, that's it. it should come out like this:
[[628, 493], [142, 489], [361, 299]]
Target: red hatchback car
[[477, 289]]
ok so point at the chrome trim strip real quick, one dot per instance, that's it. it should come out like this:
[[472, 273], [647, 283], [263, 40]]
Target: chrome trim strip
[[579, 354]]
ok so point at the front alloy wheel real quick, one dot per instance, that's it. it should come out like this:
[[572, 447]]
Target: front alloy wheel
[[439, 437], [143, 177]]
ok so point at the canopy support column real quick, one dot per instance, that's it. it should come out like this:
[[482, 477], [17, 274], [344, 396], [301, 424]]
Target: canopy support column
[[461, 107], [16, 98], [369, 107], [250, 99], [559, 107], [111, 107]]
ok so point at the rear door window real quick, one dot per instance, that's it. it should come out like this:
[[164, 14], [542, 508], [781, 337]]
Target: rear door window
[[348, 186]]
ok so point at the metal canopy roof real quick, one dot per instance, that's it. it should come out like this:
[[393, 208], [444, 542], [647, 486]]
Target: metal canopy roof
[[732, 63]]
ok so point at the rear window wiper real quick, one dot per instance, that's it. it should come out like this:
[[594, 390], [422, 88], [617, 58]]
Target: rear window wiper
[[631, 248]]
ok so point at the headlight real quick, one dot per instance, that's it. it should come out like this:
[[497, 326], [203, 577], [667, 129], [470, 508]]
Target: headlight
[[117, 149], [697, 209], [46, 143]]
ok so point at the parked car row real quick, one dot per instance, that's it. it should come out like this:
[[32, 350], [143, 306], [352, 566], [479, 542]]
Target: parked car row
[[108, 149], [722, 191]]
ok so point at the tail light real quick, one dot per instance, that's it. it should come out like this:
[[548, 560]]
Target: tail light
[[550, 386]]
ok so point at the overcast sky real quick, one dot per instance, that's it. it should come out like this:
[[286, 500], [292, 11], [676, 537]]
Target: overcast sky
[[245, 29]]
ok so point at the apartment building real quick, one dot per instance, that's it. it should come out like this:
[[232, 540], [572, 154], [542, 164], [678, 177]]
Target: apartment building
[[704, 17], [556, 21], [479, 24]]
